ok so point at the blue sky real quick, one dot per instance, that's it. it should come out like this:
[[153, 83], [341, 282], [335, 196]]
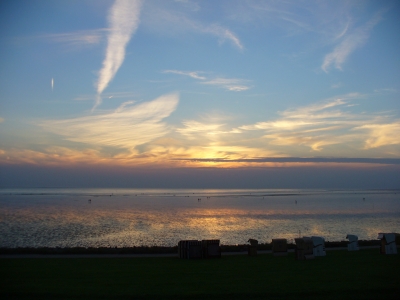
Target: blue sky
[[182, 86]]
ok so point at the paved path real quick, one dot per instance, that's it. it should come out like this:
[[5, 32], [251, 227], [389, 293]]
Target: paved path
[[144, 255]]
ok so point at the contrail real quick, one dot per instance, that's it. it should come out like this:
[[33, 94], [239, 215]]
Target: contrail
[[52, 84], [123, 19]]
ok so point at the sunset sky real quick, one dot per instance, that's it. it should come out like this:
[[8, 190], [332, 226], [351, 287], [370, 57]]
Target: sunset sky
[[192, 93]]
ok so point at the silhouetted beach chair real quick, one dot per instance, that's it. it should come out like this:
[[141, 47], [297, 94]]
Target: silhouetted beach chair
[[190, 249], [388, 243], [353, 242], [211, 249], [279, 247], [252, 248], [319, 246], [304, 248]]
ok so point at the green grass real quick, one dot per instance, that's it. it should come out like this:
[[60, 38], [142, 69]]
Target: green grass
[[365, 274]]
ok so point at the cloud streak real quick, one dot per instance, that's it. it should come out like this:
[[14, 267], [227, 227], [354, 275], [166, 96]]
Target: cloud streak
[[349, 43], [223, 34], [123, 21], [381, 134], [127, 127], [386, 161], [330, 122], [174, 21], [230, 84], [194, 74], [78, 38]]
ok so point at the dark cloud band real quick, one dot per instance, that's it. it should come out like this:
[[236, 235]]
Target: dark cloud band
[[388, 161]]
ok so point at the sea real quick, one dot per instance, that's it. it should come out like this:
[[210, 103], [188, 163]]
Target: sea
[[56, 217]]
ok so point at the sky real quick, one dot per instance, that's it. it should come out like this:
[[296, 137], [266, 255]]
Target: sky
[[200, 94]]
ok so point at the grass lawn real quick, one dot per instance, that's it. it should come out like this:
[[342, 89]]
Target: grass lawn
[[365, 274]]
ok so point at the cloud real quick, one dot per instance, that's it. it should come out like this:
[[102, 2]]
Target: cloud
[[387, 161], [331, 127], [75, 40], [193, 74], [51, 156], [316, 142], [1, 120], [230, 84], [331, 23], [223, 34], [320, 110], [328, 20], [123, 19], [173, 21], [114, 95], [350, 42], [329, 122], [318, 127], [381, 134], [127, 127], [78, 38], [279, 124], [192, 129]]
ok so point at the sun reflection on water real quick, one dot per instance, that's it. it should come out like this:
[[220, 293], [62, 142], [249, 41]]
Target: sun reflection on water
[[65, 220]]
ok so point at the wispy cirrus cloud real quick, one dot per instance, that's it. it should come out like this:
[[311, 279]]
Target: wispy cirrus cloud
[[173, 20], [349, 42], [75, 40], [193, 129], [78, 38], [115, 95], [330, 122], [332, 24], [329, 20], [330, 128], [230, 84], [193, 74], [123, 19], [381, 134], [126, 127], [222, 33]]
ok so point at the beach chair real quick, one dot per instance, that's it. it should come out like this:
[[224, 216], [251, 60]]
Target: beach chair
[[182, 249], [304, 248], [211, 248], [279, 247], [388, 243], [190, 249], [318, 246], [252, 248], [353, 242], [195, 250]]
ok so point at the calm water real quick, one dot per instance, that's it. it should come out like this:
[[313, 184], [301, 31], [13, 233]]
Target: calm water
[[126, 217]]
